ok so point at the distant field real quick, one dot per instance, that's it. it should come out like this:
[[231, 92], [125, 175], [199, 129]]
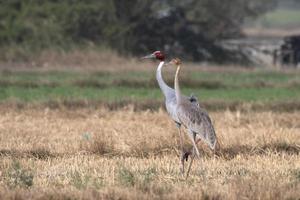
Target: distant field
[[257, 86], [280, 18]]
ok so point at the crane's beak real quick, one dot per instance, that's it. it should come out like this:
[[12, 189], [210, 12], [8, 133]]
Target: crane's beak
[[148, 56]]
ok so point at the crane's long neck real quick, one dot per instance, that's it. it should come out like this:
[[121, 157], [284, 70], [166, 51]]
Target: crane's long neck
[[163, 86], [176, 86]]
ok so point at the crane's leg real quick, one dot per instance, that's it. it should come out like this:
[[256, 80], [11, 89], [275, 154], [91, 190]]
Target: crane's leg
[[182, 150], [191, 162], [192, 159], [193, 138]]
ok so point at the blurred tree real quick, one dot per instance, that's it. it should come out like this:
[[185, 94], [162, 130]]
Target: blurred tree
[[189, 28]]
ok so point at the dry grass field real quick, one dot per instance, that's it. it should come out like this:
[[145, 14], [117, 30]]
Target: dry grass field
[[125, 154]]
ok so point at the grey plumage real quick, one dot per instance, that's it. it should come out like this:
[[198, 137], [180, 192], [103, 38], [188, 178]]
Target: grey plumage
[[197, 121]]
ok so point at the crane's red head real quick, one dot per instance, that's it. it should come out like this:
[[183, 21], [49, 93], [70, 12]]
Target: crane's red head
[[156, 54]]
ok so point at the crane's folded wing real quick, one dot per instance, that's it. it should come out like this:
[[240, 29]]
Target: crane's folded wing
[[198, 121]]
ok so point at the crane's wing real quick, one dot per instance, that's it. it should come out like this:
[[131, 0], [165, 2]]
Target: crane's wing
[[198, 121]]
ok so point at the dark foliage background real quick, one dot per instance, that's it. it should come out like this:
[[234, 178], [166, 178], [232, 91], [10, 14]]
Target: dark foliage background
[[131, 27]]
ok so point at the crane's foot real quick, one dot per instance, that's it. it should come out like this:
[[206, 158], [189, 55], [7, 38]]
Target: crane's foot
[[184, 158], [185, 155], [182, 162], [193, 155]]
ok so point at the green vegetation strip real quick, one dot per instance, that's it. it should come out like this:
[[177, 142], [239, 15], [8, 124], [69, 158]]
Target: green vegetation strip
[[206, 80], [73, 86], [281, 18]]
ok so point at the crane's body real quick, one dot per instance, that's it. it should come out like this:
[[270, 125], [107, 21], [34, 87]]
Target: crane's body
[[197, 121]]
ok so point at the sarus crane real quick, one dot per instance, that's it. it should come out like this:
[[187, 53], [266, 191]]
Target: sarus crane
[[170, 102], [194, 118]]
